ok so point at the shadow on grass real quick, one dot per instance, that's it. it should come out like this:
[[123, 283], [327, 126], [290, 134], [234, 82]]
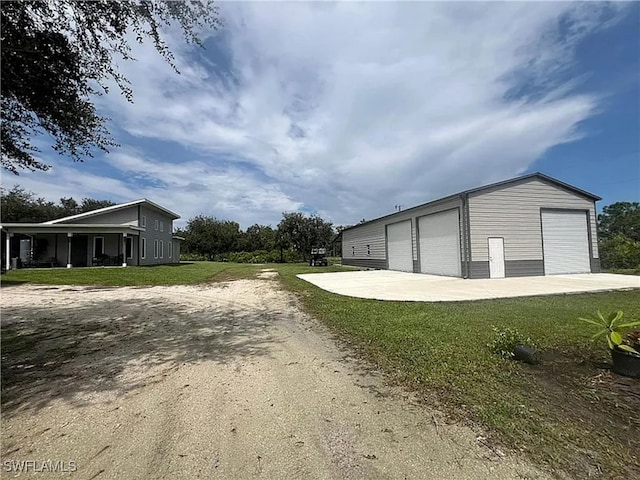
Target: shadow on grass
[[11, 283], [115, 347]]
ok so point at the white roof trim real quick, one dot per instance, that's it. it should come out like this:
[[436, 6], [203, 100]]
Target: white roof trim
[[112, 208], [71, 226]]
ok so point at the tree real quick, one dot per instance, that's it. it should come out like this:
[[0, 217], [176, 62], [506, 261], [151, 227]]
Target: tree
[[209, 236], [301, 233], [57, 54], [89, 204], [69, 206], [258, 237], [619, 251], [619, 235], [19, 205], [620, 218]]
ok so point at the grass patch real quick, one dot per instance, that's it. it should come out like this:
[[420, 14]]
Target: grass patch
[[624, 271], [567, 414], [175, 274]]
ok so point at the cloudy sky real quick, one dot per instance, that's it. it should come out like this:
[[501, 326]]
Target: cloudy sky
[[349, 109]]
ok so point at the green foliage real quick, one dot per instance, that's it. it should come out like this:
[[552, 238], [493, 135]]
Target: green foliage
[[219, 240], [57, 54], [505, 340], [620, 218], [258, 237], [175, 274], [619, 251], [301, 233], [19, 205], [612, 328], [259, 256], [209, 236]]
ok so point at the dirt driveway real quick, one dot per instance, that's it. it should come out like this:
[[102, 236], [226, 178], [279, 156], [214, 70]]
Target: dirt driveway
[[218, 381]]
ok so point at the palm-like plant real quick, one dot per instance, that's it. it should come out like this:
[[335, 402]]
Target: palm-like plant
[[613, 329]]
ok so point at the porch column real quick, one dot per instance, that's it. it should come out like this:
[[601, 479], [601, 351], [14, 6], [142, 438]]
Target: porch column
[[8, 250], [69, 237], [124, 249]]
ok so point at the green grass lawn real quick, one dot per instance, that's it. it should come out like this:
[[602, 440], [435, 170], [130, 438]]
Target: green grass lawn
[[568, 414], [176, 274]]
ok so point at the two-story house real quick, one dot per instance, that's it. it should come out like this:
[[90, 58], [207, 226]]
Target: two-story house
[[133, 233]]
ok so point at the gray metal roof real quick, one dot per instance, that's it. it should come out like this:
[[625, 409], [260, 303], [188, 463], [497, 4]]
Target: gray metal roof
[[522, 178], [113, 208]]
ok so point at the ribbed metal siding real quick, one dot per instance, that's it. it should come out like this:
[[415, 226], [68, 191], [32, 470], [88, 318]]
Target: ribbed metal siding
[[513, 212], [399, 246], [566, 242], [355, 241], [373, 234], [439, 238]]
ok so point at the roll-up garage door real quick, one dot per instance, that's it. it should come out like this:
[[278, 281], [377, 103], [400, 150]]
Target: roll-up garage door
[[399, 248], [565, 242], [440, 243]]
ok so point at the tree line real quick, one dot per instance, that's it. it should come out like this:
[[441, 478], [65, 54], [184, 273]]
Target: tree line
[[209, 238], [19, 205]]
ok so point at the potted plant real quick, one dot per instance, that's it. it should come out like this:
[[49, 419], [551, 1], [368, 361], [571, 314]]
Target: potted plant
[[625, 350]]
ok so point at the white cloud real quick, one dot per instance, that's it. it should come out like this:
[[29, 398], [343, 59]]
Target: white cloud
[[352, 108]]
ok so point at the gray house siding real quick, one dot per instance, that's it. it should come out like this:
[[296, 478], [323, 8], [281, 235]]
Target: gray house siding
[[126, 216], [151, 234], [373, 234], [56, 247], [513, 213]]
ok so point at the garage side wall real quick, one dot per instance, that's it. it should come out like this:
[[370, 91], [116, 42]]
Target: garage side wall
[[354, 246], [513, 213], [355, 240]]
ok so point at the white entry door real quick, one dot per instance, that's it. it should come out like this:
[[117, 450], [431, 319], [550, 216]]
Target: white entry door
[[496, 257], [399, 246]]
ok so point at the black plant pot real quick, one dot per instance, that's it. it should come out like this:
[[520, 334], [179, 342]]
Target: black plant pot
[[526, 354], [626, 363]]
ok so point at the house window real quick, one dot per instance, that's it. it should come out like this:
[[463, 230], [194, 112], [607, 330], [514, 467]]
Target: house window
[[98, 246], [161, 249], [368, 249], [162, 226], [155, 224], [143, 248], [129, 247], [353, 251], [170, 249], [143, 221], [155, 249]]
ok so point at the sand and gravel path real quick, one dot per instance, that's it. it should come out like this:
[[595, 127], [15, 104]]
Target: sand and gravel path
[[228, 381]]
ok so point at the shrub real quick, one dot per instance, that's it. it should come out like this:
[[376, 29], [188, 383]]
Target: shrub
[[192, 257], [505, 341], [619, 251]]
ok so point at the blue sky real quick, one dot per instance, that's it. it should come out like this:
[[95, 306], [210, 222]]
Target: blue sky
[[348, 109]]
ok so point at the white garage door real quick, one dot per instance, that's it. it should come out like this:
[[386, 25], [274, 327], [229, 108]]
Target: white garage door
[[440, 243], [565, 242], [399, 248]]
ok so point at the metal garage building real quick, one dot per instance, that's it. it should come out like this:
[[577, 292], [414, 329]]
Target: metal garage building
[[530, 225]]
